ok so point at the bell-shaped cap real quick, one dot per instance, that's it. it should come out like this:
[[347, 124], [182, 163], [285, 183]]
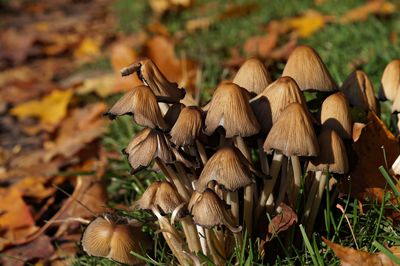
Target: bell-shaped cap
[[114, 238], [390, 81], [335, 114], [230, 108], [360, 92], [253, 76], [228, 167], [293, 133], [142, 104], [332, 154], [305, 66], [187, 127], [269, 104], [209, 210], [146, 146], [151, 75], [161, 195]]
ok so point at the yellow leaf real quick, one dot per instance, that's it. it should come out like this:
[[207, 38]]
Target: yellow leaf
[[307, 24], [88, 47], [50, 110]]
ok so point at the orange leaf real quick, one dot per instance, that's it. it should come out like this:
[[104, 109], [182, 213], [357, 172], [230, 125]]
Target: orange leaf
[[352, 257], [365, 178], [371, 7], [307, 24]]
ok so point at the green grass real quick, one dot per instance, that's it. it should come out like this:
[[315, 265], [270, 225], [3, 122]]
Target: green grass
[[364, 45]]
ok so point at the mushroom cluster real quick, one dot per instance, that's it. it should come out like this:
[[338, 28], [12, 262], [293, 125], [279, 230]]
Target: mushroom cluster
[[256, 144]]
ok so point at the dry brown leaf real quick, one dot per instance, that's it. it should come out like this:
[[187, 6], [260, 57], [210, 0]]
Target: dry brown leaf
[[352, 257], [366, 179], [369, 8], [182, 71], [89, 47], [15, 45], [41, 248], [50, 110], [282, 221], [82, 127], [261, 45], [34, 186]]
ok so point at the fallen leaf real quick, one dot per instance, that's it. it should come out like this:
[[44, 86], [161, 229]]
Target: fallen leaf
[[50, 110], [261, 45], [352, 257], [89, 47], [370, 7], [161, 6], [40, 248], [82, 127], [282, 221], [34, 186], [182, 71], [102, 85], [307, 24], [15, 45], [366, 179]]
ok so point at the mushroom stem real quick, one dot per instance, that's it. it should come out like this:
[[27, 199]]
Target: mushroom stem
[[191, 234], [217, 258], [310, 199], [187, 181], [270, 183], [170, 173], [285, 180], [317, 202], [297, 173], [202, 152], [248, 190], [233, 199], [263, 157]]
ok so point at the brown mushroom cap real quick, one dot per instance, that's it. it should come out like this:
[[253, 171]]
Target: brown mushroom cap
[[253, 76], [187, 127], [230, 108], [228, 168], [390, 81], [269, 104], [147, 145], [142, 104], [359, 91], [293, 133], [335, 114], [305, 66], [161, 195], [114, 238], [209, 210], [332, 155], [151, 75]]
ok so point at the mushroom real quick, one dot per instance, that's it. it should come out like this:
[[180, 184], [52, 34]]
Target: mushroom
[[149, 145], [142, 104], [230, 109], [335, 114], [187, 129], [231, 170], [292, 135], [253, 76], [305, 66], [359, 91], [332, 159], [390, 81], [208, 211], [151, 76], [113, 237], [161, 195]]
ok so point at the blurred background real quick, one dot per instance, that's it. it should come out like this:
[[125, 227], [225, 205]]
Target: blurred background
[[59, 72]]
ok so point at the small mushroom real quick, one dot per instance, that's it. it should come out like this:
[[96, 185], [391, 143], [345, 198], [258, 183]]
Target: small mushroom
[[253, 76], [151, 76], [305, 66], [113, 237], [187, 127], [230, 109], [142, 104], [335, 114], [390, 81], [359, 91], [269, 104]]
